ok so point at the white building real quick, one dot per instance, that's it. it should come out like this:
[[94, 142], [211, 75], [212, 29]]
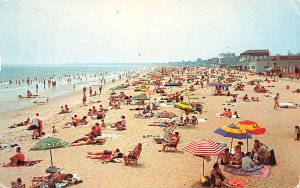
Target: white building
[[286, 64], [254, 55], [228, 59]]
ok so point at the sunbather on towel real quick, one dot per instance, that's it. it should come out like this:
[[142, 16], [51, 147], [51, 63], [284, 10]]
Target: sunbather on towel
[[2, 146], [90, 140], [25, 123], [106, 154], [19, 158]]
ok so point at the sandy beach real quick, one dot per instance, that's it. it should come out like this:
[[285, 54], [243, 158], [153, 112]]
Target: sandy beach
[[156, 169]]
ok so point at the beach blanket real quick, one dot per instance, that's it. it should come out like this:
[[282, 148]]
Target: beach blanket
[[28, 163], [261, 173], [290, 105], [239, 182]]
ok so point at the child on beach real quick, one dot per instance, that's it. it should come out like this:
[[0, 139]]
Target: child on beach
[[276, 99]]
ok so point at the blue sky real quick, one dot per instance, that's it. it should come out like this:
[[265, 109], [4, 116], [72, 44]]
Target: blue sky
[[141, 31]]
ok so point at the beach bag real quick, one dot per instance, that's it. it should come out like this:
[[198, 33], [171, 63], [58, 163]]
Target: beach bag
[[272, 158], [205, 181]]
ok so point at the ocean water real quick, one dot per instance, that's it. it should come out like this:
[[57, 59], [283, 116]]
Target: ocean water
[[15, 80]]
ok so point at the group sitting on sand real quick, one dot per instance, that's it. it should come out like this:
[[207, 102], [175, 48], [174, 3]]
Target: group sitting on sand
[[64, 109], [250, 161], [228, 114], [76, 122]]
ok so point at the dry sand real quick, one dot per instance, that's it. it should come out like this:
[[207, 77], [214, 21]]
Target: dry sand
[[156, 169]]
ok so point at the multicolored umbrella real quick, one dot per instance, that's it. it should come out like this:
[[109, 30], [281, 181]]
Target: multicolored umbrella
[[203, 148], [252, 127], [49, 144], [233, 132]]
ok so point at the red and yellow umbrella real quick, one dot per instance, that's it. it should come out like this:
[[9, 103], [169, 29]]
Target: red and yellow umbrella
[[251, 126]]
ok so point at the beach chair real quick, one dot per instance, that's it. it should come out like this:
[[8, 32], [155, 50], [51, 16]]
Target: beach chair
[[172, 148], [133, 159]]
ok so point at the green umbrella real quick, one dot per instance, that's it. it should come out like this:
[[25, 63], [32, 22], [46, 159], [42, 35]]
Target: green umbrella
[[49, 144], [139, 97]]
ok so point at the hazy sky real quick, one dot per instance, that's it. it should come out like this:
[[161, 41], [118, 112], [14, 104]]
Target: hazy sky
[[71, 31]]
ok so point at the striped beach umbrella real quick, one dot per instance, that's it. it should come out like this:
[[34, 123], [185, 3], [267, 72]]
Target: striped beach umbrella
[[202, 148]]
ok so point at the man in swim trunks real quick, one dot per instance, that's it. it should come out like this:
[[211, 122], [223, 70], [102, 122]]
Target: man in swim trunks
[[19, 158], [276, 99]]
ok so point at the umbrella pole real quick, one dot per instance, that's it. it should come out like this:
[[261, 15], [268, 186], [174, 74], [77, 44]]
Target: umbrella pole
[[51, 158], [231, 145], [247, 144], [203, 166]]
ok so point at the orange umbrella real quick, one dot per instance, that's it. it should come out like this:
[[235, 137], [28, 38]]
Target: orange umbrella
[[251, 127]]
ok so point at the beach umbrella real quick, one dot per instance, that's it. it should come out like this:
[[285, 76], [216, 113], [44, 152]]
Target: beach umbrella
[[203, 148], [188, 93], [232, 132], [139, 98], [165, 115], [171, 84], [251, 127], [49, 144], [184, 107]]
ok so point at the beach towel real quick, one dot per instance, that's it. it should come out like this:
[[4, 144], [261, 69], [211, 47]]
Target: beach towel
[[110, 136], [289, 105], [261, 173], [28, 163], [239, 182]]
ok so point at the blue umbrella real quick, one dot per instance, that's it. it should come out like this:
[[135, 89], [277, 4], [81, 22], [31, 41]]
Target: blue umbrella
[[171, 84], [233, 132]]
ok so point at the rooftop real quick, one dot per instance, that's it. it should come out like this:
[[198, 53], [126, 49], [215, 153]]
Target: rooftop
[[256, 53]]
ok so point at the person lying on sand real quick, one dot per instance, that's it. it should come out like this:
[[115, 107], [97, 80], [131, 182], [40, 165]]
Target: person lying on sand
[[25, 123], [296, 91], [106, 154], [88, 141], [3, 146], [254, 99]]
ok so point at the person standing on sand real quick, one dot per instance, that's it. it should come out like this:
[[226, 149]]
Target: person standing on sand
[[84, 100], [276, 99], [91, 92]]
